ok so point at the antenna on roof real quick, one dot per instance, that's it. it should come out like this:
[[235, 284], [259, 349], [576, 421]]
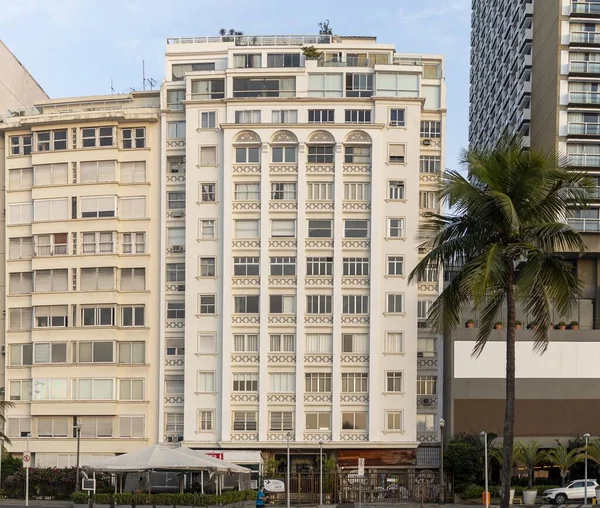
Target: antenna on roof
[[151, 82], [112, 88]]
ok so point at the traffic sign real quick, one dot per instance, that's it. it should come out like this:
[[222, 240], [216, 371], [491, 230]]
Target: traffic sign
[[26, 460], [361, 467]]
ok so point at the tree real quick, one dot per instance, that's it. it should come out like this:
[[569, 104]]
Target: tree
[[464, 460], [506, 231], [593, 454], [564, 459], [231, 31], [324, 28], [530, 455]]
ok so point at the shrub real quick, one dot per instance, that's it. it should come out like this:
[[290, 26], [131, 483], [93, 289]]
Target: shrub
[[124, 498], [103, 498], [464, 460], [79, 497]]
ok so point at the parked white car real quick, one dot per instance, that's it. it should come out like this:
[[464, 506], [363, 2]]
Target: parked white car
[[575, 490]]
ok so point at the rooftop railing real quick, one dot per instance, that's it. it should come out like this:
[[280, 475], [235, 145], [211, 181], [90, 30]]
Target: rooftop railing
[[256, 40]]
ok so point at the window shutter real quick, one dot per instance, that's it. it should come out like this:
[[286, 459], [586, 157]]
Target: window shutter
[[126, 211], [26, 212], [14, 319], [106, 171], [43, 281], [88, 425], [60, 280], [137, 389], [139, 171], [14, 248], [88, 171], [42, 209], [43, 174], [106, 279], [88, 279], [61, 427], [106, 204], [397, 150], [137, 426], [89, 205], [14, 179], [127, 172], [27, 247], [59, 209], [44, 427], [41, 353], [105, 427], [139, 279], [60, 173], [208, 156]]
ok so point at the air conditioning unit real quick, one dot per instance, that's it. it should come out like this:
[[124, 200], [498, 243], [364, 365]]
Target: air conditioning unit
[[178, 213], [426, 402], [181, 287], [174, 438], [420, 354], [3, 350], [426, 142], [177, 249], [2, 391], [422, 324], [427, 214]]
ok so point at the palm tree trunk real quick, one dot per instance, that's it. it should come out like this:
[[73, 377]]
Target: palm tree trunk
[[509, 414]]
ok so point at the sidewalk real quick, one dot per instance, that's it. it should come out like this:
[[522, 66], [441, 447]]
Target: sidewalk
[[36, 502]]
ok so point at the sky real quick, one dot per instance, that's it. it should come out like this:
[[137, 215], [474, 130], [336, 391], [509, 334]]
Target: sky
[[75, 47]]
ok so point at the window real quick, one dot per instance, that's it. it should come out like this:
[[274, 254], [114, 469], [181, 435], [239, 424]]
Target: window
[[394, 342], [20, 283], [50, 389], [135, 137], [320, 420], [281, 421], [271, 86], [19, 427], [282, 304], [395, 303], [96, 243], [50, 174], [98, 316], [247, 154], [356, 420], [176, 130], [319, 191], [284, 154], [206, 421], [360, 191], [132, 427], [20, 248], [51, 245], [175, 98], [208, 229], [246, 304], [285, 116], [325, 85], [359, 85], [320, 154], [358, 116], [431, 129], [53, 427], [355, 304], [98, 206], [176, 200], [50, 209], [426, 385], [174, 421], [206, 382], [321, 115], [97, 171], [20, 318], [179, 70], [247, 191], [316, 267], [175, 272], [396, 153], [20, 145], [93, 352], [356, 267], [319, 228], [428, 200], [131, 389], [397, 118], [175, 347], [395, 265], [133, 279], [247, 60], [283, 191], [97, 137], [355, 343], [208, 89], [248, 116], [317, 382], [246, 266], [357, 155], [207, 304], [426, 346], [176, 236], [174, 385], [244, 420], [283, 228], [393, 382], [97, 279], [208, 267], [20, 179], [356, 229], [46, 281], [245, 343], [426, 423], [397, 84], [92, 389], [430, 274], [132, 352], [355, 382], [20, 390], [396, 228], [207, 343], [319, 343], [20, 213], [283, 266], [246, 382], [175, 310], [132, 315], [318, 304], [133, 172], [282, 343], [208, 192], [208, 119], [282, 382], [395, 190], [430, 164], [247, 228], [20, 354], [283, 60], [133, 243], [208, 156], [393, 420]]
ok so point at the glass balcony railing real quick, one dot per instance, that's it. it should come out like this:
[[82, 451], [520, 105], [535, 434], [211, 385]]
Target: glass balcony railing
[[584, 129], [585, 7], [585, 37], [585, 67], [577, 159], [586, 225], [584, 97]]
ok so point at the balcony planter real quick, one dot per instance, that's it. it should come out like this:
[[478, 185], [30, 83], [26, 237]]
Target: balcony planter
[[518, 325], [498, 326], [574, 325], [529, 496], [562, 325], [470, 324]]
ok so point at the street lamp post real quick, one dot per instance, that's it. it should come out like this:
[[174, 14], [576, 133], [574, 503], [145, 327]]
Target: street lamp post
[[320, 474], [442, 483], [78, 431], [487, 499], [585, 495], [287, 476]]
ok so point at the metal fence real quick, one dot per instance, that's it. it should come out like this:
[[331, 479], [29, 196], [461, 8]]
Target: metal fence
[[372, 488]]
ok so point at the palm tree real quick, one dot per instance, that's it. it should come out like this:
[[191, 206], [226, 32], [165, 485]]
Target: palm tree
[[507, 231], [4, 405], [564, 459], [530, 455], [593, 450]]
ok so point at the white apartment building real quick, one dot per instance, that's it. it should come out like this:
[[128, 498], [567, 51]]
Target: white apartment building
[[82, 264], [293, 191]]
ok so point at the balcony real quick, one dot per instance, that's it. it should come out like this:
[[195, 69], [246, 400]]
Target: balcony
[[584, 67], [585, 37], [584, 97], [584, 129], [585, 8], [256, 40], [585, 225], [584, 160]]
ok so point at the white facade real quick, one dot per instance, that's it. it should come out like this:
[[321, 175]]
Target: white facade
[[305, 181]]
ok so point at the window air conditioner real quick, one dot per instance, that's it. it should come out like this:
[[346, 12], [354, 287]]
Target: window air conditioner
[[178, 213], [177, 249], [426, 142], [426, 402]]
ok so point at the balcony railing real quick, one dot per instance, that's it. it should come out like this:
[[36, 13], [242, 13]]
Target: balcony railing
[[585, 225], [584, 129], [585, 67], [584, 159], [585, 8], [256, 40], [584, 97], [585, 37]]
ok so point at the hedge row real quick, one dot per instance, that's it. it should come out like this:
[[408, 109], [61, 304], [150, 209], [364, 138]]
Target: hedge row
[[473, 491], [167, 499]]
